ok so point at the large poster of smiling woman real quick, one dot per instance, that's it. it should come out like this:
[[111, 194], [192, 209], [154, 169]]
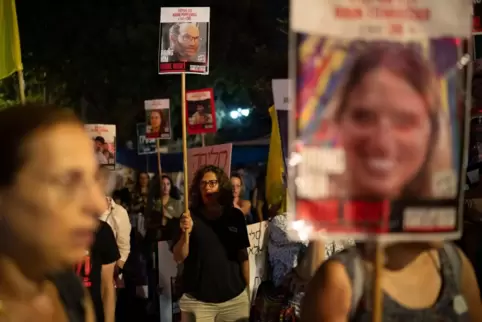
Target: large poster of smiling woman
[[377, 136]]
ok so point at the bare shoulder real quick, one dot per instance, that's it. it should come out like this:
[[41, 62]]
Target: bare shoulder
[[469, 288], [328, 296], [245, 203]]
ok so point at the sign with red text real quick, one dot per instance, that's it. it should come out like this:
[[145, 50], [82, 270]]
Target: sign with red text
[[184, 40], [382, 19], [218, 155], [103, 137], [200, 110], [376, 140], [158, 119]]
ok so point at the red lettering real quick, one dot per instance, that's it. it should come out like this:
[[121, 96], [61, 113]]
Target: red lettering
[[165, 66], [396, 29], [421, 14], [179, 66], [348, 13], [325, 211], [367, 213]]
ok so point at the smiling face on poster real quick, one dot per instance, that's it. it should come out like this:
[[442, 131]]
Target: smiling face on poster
[[184, 41], [377, 141], [201, 112], [158, 119], [103, 139]]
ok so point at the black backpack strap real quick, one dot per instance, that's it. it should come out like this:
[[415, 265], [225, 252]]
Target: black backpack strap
[[455, 261], [72, 294]]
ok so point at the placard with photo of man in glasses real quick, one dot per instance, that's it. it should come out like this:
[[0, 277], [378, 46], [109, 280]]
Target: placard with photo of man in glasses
[[184, 41]]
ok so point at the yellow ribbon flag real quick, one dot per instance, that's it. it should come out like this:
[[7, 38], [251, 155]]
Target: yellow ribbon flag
[[10, 56], [275, 189]]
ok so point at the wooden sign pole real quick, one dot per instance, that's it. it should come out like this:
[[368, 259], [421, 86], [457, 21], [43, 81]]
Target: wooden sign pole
[[378, 265], [184, 142]]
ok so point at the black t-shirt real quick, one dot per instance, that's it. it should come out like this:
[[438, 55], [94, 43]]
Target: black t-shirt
[[103, 251], [212, 271]]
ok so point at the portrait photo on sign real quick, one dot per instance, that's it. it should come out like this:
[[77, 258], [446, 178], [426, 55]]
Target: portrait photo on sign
[[378, 134], [201, 112], [158, 119], [184, 40], [147, 145], [103, 139]]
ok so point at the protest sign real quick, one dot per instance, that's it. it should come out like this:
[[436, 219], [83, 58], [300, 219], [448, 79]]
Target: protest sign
[[167, 273], [257, 253], [200, 111], [377, 140], [158, 119], [147, 145], [218, 155], [103, 137], [281, 93], [184, 41]]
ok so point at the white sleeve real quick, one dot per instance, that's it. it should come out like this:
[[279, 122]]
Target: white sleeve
[[123, 235]]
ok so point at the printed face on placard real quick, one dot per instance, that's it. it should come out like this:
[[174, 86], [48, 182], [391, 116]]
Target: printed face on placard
[[158, 124], [103, 139], [380, 149], [186, 42], [155, 120], [201, 113], [385, 128]]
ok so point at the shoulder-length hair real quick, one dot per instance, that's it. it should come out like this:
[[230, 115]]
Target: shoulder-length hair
[[225, 194], [137, 185], [408, 63], [240, 178], [174, 192]]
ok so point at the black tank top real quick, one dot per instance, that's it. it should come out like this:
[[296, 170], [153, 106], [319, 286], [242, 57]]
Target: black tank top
[[449, 307]]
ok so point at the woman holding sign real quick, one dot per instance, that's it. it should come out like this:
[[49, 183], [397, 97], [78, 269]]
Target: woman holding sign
[[395, 137], [212, 245]]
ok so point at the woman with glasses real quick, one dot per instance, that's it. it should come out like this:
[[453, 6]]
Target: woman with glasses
[[50, 200], [212, 244]]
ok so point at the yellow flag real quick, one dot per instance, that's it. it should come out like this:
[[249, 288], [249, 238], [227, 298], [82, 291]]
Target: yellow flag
[[275, 190], [10, 56]]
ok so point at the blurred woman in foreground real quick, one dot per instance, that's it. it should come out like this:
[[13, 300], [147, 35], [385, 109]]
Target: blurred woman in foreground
[[49, 198]]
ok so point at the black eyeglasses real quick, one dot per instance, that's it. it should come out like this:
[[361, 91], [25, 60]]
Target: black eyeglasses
[[209, 183]]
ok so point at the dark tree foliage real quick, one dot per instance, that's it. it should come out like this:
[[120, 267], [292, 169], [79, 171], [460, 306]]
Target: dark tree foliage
[[101, 57]]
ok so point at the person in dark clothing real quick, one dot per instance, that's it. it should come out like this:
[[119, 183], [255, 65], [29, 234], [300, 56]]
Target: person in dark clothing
[[97, 272], [140, 193], [212, 244]]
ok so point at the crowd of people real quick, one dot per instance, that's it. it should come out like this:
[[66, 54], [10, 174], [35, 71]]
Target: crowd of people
[[60, 222]]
